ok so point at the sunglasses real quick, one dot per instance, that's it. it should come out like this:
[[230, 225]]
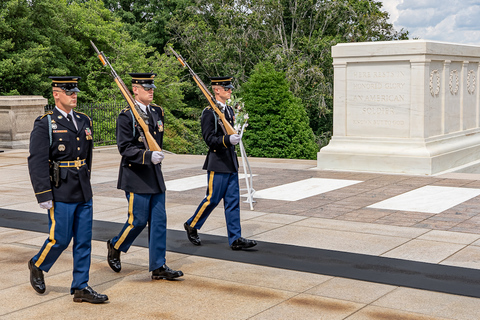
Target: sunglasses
[[146, 89], [227, 89], [68, 93]]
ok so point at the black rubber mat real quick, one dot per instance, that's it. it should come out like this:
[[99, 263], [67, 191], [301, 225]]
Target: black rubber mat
[[397, 272]]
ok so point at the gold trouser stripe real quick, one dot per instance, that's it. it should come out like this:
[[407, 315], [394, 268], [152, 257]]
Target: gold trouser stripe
[[130, 221], [51, 237], [205, 205]]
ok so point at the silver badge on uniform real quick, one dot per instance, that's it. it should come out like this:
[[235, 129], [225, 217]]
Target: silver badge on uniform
[[140, 139], [54, 126], [61, 147]]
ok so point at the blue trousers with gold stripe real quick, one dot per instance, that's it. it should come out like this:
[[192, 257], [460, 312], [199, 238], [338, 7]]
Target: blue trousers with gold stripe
[[67, 221], [143, 209], [221, 186]]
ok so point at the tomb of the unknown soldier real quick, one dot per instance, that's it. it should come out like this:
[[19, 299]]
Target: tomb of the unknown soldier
[[404, 107]]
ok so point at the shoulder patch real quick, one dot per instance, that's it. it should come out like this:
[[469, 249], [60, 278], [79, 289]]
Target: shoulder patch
[[46, 114]]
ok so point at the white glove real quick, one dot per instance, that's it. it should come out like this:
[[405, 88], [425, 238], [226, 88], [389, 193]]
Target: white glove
[[46, 205], [157, 157], [235, 139]]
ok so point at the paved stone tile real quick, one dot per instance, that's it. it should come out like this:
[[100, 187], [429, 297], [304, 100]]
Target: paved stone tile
[[332, 240], [364, 215], [450, 237], [378, 313], [305, 306], [451, 183], [351, 290], [468, 257], [424, 251], [293, 281], [436, 225], [404, 218], [434, 304], [360, 227], [467, 226]]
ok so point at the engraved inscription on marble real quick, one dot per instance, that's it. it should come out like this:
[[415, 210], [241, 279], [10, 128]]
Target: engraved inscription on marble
[[378, 100]]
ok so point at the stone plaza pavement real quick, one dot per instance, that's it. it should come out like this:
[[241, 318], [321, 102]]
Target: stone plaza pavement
[[429, 222]]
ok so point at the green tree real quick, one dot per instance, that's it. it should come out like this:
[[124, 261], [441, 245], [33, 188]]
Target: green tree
[[146, 20], [229, 37], [278, 124], [40, 38]]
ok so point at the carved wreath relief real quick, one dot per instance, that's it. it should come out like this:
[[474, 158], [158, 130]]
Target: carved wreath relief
[[454, 82], [434, 83], [471, 82]]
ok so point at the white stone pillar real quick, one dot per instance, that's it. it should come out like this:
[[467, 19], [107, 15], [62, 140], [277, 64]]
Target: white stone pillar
[[17, 114], [407, 106]]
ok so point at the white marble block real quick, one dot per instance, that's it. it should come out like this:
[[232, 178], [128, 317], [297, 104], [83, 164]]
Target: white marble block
[[17, 115], [409, 106]]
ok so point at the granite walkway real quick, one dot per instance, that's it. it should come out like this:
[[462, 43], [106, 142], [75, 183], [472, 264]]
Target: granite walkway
[[301, 216]]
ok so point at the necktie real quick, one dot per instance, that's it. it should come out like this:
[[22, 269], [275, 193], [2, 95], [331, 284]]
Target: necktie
[[69, 117]]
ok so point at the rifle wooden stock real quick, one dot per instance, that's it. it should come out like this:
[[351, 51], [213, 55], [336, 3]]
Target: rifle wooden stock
[[206, 93], [150, 143]]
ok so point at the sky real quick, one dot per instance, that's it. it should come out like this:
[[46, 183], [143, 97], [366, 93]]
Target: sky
[[455, 21]]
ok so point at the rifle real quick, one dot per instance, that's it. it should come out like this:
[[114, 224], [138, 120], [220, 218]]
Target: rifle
[[208, 95], [147, 138]]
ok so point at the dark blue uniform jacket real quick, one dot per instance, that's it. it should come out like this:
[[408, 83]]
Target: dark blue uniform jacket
[[137, 172], [66, 144], [221, 156]]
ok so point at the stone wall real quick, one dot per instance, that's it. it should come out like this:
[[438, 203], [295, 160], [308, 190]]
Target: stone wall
[[17, 114], [404, 107]]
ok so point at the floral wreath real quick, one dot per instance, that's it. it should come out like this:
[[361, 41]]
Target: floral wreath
[[241, 117]]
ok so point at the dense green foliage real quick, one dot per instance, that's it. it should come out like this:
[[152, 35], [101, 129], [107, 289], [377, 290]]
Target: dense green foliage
[[278, 121], [39, 38], [232, 36], [52, 37]]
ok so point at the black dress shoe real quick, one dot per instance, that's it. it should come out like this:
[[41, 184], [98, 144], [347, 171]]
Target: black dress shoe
[[113, 257], [87, 294], [164, 272], [192, 234], [36, 277], [242, 243]]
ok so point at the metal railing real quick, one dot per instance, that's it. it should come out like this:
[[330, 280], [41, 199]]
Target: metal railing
[[104, 118]]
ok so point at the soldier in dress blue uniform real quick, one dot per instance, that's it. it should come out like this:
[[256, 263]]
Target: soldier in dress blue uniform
[[59, 163], [222, 170], [141, 178]]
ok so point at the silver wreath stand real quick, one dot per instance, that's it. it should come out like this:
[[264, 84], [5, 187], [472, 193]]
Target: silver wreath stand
[[247, 172]]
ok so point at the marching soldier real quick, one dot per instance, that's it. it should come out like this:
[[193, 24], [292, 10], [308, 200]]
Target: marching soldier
[[59, 163], [141, 178], [222, 171]]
